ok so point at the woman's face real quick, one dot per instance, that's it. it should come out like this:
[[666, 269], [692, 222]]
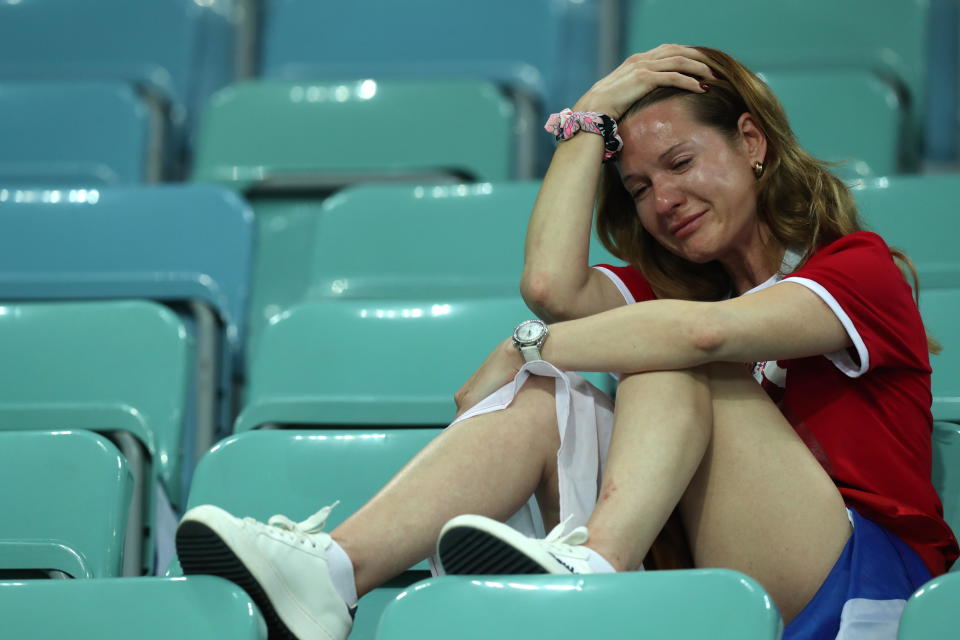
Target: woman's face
[[694, 189]]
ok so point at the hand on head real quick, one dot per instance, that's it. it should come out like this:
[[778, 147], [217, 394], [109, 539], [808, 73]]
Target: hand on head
[[669, 65]]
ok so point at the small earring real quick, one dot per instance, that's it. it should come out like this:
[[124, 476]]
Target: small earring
[[758, 169]]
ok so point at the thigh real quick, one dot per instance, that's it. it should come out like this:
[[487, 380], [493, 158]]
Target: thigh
[[760, 502]]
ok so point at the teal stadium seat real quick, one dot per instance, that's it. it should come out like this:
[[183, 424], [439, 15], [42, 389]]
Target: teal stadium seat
[[910, 213], [946, 470], [859, 126], [931, 612], [156, 242], [120, 368], [544, 53], [274, 141], [427, 241], [447, 240], [187, 53], [373, 362], [65, 503], [889, 45], [197, 608], [681, 605], [76, 133], [262, 473], [317, 134], [461, 240]]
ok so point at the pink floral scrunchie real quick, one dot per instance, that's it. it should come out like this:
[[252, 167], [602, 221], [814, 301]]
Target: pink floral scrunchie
[[567, 123]]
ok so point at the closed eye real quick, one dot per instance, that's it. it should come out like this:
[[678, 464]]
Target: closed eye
[[682, 164], [638, 192]]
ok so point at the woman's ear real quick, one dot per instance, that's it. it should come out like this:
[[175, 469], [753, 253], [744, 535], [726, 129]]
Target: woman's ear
[[753, 138]]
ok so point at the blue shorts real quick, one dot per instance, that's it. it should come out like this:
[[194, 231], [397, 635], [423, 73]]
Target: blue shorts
[[865, 592]]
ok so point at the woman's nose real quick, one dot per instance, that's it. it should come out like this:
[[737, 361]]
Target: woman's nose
[[667, 196]]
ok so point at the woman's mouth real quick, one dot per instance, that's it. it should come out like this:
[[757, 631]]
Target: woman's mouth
[[684, 227]]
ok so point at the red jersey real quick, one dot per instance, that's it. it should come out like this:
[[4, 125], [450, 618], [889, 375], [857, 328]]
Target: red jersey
[[864, 412]]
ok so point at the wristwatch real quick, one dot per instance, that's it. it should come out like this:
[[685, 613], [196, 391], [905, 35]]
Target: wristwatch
[[529, 336]]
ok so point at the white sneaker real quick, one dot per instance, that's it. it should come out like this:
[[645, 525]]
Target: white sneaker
[[281, 565], [477, 545]]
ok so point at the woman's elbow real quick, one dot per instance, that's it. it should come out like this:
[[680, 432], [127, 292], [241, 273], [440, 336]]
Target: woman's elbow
[[708, 334], [541, 295]]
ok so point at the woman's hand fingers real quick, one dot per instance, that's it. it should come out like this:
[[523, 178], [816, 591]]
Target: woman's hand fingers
[[667, 65], [677, 50], [681, 64]]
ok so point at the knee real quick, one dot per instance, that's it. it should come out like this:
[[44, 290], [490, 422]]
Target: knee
[[682, 395]]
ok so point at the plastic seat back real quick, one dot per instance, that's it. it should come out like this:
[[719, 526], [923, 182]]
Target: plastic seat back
[[820, 35], [931, 612], [262, 473], [321, 134], [514, 44], [171, 243], [861, 125], [75, 133], [546, 53], [683, 605], [196, 608], [445, 240], [373, 362], [102, 366], [65, 504], [185, 55], [909, 212]]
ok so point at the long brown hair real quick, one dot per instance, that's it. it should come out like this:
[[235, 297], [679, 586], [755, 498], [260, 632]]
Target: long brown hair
[[802, 203]]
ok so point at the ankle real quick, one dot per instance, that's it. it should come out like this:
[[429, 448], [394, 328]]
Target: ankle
[[616, 562]]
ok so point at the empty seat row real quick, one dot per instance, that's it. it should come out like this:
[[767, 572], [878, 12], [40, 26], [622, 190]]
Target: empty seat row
[[676, 604], [875, 115]]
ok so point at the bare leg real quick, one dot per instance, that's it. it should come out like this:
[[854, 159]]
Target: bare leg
[[488, 465], [752, 496]]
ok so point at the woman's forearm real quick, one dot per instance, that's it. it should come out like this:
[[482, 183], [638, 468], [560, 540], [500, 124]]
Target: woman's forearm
[[650, 336], [557, 248]]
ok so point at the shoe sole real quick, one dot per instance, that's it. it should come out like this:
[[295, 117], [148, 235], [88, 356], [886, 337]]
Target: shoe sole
[[202, 551], [472, 551]]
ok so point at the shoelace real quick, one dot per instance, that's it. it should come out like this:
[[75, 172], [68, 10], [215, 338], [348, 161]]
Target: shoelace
[[298, 531], [557, 538]]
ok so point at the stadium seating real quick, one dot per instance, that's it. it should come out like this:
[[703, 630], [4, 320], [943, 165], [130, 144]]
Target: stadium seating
[[681, 605], [756, 35], [383, 242], [373, 362], [196, 608], [120, 368], [545, 53], [303, 471], [188, 245], [65, 504], [946, 470], [909, 212], [931, 612], [446, 240], [76, 134], [185, 55], [274, 141], [859, 126]]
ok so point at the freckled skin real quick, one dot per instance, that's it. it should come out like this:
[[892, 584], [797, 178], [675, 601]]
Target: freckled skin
[[677, 168]]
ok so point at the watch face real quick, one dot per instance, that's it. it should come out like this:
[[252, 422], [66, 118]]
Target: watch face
[[529, 332]]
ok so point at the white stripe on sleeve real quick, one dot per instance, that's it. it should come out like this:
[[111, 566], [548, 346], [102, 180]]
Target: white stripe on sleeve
[[620, 284], [841, 358]]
